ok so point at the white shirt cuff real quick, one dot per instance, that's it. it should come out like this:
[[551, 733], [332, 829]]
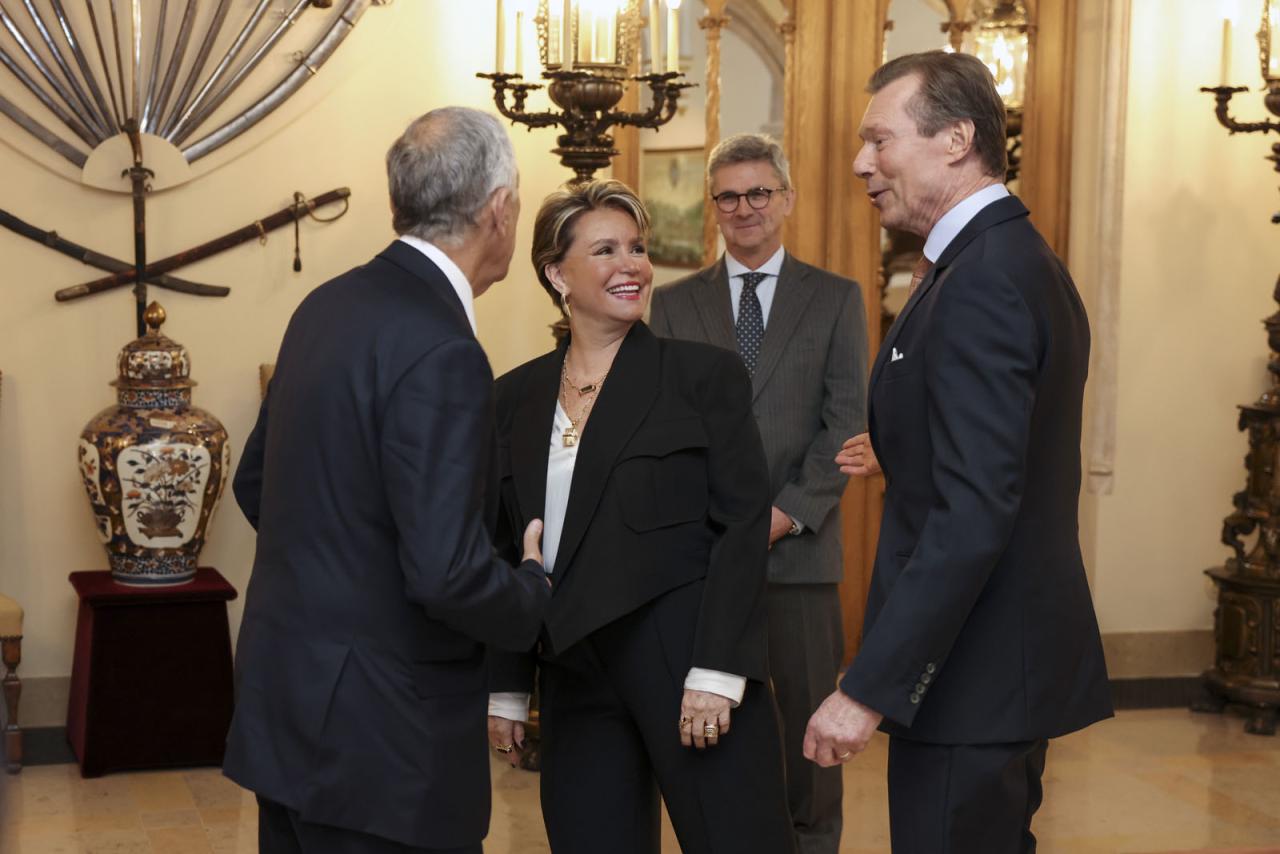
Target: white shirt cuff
[[716, 682], [512, 705]]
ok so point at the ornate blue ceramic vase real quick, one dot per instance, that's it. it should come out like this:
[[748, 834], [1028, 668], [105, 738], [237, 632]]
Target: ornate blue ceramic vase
[[154, 465]]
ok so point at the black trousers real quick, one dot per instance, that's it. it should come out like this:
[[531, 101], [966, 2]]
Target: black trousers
[[964, 799], [806, 643], [281, 831], [610, 712]]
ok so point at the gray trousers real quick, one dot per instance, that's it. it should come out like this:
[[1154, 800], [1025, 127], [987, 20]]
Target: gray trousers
[[806, 644]]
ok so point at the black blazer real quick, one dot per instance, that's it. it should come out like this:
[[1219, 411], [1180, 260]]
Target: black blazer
[[979, 624], [670, 488], [360, 666]]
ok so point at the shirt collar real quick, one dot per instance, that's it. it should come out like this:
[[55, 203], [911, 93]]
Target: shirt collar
[[958, 217], [772, 267], [451, 271]]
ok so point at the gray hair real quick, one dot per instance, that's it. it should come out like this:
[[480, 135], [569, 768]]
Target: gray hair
[[750, 148], [953, 87], [444, 168]]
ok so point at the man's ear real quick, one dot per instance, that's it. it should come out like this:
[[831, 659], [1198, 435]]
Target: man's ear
[[498, 210], [960, 139]]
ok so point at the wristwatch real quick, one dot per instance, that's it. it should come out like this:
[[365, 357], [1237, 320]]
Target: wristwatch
[[795, 528]]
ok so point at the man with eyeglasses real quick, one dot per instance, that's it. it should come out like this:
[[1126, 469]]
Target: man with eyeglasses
[[801, 332]]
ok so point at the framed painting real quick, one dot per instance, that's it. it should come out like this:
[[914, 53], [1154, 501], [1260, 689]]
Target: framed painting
[[673, 188]]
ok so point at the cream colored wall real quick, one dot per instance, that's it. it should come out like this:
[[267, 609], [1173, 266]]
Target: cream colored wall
[[1199, 263], [57, 359]]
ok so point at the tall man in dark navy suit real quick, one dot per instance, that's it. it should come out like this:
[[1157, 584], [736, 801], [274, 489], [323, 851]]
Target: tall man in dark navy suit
[[980, 641], [360, 716]]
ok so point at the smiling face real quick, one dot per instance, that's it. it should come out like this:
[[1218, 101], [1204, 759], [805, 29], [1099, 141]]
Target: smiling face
[[606, 271], [752, 236], [908, 175]]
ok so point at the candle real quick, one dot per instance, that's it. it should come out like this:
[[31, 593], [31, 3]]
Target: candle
[[520, 42], [673, 35], [610, 52], [566, 34], [501, 40], [655, 35], [586, 35], [1273, 57]]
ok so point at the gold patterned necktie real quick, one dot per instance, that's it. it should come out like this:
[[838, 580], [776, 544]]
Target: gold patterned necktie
[[921, 269]]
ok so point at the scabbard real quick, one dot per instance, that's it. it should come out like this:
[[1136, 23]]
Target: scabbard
[[220, 244]]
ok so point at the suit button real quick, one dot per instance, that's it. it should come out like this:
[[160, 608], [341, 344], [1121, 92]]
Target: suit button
[[920, 689], [926, 678], [915, 699], [930, 668]]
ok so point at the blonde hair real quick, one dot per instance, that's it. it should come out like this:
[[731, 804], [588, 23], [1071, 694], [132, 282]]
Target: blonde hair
[[560, 212]]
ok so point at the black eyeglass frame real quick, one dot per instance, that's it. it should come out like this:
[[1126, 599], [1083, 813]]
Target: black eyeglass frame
[[737, 198]]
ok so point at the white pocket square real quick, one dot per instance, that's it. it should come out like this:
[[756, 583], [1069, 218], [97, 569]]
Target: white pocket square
[[895, 355]]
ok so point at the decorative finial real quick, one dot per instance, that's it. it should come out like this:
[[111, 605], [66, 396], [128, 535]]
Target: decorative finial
[[154, 317]]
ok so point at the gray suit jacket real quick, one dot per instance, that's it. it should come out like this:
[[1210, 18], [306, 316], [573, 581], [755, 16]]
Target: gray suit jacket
[[809, 393]]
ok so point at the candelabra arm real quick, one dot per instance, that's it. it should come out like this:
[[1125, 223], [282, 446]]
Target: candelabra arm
[[666, 99], [1222, 95], [502, 84]]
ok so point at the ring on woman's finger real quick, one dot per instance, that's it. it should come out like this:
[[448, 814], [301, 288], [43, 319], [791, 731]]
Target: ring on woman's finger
[[711, 730], [504, 748]]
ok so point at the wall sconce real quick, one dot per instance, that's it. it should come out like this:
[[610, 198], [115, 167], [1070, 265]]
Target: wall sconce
[[1247, 620], [587, 48], [998, 32]]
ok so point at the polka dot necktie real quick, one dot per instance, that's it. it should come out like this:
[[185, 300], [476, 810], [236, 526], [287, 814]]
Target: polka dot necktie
[[750, 327]]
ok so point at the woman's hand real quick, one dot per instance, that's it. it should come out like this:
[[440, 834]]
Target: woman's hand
[[507, 738], [699, 710]]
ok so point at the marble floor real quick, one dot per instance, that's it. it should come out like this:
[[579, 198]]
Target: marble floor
[[1147, 781]]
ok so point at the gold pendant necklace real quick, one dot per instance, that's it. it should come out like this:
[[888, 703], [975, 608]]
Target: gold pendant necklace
[[572, 435]]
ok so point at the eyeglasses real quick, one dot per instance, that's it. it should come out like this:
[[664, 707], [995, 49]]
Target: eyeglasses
[[757, 198]]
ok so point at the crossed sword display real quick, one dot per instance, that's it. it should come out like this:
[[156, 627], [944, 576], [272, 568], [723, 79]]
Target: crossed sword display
[[140, 273]]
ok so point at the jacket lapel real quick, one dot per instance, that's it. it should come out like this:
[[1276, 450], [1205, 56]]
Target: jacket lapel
[[627, 395], [999, 211], [531, 436], [791, 296], [715, 306]]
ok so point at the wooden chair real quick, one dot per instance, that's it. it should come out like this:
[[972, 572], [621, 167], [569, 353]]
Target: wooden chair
[[11, 652]]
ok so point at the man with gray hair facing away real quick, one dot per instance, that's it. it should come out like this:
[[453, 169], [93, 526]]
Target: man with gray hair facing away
[[360, 715], [802, 333]]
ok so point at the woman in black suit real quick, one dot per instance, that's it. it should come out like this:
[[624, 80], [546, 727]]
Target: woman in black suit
[[643, 458]]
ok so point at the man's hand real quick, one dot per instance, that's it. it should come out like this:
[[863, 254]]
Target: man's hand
[[839, 730], [533, 541], [698, 710], [779, 526], [507, 738], [857, 457]]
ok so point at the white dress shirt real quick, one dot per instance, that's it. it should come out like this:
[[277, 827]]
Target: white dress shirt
[[945, 230], [514, 705], [764, 291], [455, 276]]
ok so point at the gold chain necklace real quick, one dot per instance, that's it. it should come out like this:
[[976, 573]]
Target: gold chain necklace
[[572, 435]]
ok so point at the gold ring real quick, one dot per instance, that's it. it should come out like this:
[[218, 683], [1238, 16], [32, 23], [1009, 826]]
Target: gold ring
[[711, 730], [504, 748], [684, 722], [843, 756]]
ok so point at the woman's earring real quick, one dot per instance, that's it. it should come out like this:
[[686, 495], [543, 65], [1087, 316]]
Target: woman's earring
[[564, 305]]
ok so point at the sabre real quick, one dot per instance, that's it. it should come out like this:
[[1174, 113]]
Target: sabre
[[69, 33], [152, 121], [42, 133], [251, 63], [54, 83], [106, 66], [155, 65], [181, 129], [115, 34], [136, 56], [227, 241], [197, 67], [138, 175], [73, 124], [306, 69], [72, 82], [87, 256]]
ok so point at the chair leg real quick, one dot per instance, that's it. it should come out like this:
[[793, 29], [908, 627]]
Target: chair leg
[[11, 651]]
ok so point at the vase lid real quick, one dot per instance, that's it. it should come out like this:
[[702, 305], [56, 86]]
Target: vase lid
[[153, 361]]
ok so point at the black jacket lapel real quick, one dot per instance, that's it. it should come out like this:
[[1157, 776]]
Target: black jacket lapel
[[625, 399], [413, 262], [531, 434]]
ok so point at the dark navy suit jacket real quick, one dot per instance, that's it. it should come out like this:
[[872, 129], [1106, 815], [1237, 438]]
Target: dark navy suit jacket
[[360, 665], [979, 626]]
